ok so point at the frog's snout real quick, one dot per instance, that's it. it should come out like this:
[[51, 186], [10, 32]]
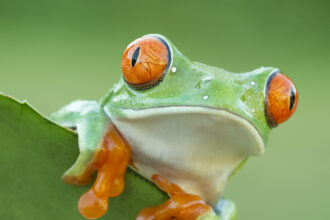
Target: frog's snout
[[281, 99]]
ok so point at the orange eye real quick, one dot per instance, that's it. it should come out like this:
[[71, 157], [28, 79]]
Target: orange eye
[[145, 62], [281, 99]]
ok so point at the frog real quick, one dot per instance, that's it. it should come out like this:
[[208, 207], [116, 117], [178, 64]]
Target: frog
[[184, 125]]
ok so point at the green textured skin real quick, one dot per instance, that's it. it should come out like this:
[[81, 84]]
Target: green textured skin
[[240, 93]]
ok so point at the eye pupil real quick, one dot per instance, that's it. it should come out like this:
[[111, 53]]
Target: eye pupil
[[292, 98], [135, 56]]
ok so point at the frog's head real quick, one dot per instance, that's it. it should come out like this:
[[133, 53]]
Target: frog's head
[[159, 80]]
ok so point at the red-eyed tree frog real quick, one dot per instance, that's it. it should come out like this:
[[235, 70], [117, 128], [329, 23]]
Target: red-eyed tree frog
[[184, 125]]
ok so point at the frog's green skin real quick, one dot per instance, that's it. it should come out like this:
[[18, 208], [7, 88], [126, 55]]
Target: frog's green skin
[[194, 128]]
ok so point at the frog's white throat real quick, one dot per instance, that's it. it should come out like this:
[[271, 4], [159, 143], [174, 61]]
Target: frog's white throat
[[194, 147]]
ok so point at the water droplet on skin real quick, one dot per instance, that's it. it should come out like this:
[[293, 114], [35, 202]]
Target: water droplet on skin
[[253, 83], [205, 97], [173, 69]]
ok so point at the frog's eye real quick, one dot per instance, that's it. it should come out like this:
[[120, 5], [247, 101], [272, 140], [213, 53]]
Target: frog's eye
[[281, 99], [145, 62]]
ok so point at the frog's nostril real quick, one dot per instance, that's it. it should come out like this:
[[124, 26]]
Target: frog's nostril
[[281, 99]]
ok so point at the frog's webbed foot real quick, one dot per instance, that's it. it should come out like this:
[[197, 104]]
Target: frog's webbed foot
[[181, 205], [91, 124], [185, 206], [101, 147], [110, 177]]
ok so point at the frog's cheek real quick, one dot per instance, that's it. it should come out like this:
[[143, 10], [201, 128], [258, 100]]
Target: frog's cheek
[[281, 99]]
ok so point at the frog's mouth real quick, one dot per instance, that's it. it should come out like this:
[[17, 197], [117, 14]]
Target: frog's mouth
[[219, 129]]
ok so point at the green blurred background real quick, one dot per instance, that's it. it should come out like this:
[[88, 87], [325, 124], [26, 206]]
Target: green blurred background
[[52, 52]]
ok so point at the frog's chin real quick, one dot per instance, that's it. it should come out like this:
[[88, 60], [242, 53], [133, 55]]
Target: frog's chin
[[228, 128], [190, 145]]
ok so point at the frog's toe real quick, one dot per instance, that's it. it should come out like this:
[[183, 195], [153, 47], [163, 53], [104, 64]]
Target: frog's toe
[[181, 205]]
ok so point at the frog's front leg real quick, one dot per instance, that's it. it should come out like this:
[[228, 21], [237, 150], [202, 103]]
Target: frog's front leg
[[110, 176], [91, 124], [185, 206], [101, 147]]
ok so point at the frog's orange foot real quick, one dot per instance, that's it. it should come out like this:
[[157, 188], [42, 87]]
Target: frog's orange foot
[[110, 177], [181, 205]]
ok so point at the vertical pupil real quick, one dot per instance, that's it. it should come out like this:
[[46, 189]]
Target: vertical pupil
[[292, 98], [135, 56]]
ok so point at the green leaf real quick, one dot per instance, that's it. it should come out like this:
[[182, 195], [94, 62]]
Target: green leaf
[[34, 154]]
